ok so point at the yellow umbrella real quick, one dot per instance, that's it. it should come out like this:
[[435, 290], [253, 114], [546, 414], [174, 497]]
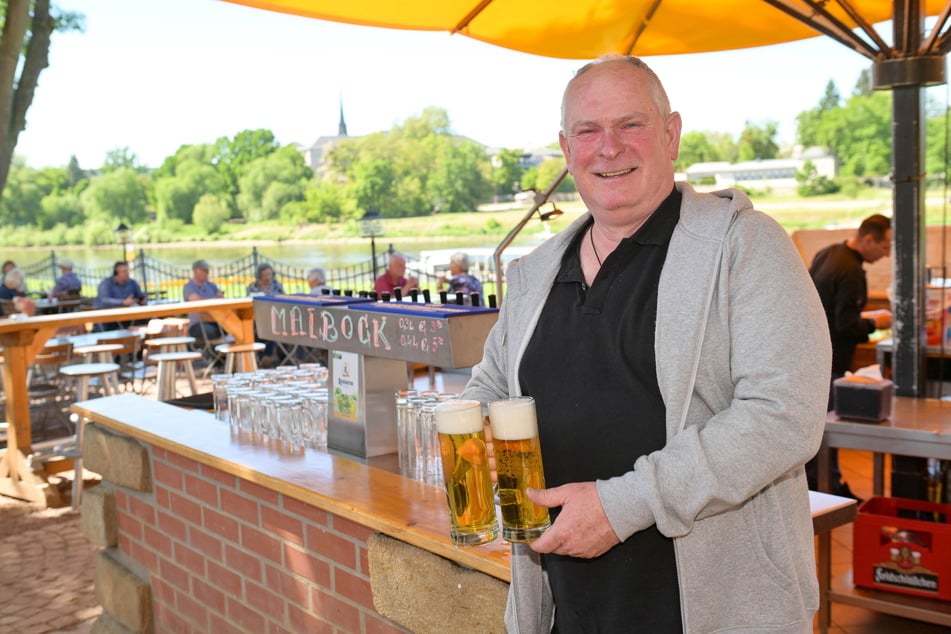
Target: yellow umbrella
[[585, 29], [575, 29]]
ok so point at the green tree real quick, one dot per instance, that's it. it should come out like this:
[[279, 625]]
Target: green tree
[[120, 157], [20, 204], [176, 196], [231, 156], [372, 181], [830, 99], [416, 168], [211, 213], [863, 85], [811, 183], [24, 53], [507, 171], [116, 196], [695, 147], [458, 180], [547, 173], [272, 181], [758, 141]]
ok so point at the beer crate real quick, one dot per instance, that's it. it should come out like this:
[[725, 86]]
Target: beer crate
[[902, 545]]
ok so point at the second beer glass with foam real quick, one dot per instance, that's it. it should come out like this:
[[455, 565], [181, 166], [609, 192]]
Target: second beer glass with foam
[[518, 461]]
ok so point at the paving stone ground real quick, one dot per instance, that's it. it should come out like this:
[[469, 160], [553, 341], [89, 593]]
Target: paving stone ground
[[46, 565], [47, 580]]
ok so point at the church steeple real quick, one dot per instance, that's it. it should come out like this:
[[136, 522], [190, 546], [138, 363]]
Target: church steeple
[[342, 126]]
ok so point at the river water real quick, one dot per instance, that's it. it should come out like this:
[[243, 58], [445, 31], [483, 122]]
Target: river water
[[327, 254]]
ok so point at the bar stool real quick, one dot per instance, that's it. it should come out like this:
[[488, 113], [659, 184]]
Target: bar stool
[[83, 372], [245, 354], [100, 353], [169, 344], [169, 366]]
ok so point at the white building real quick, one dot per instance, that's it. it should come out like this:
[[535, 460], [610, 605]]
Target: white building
[[772, 174]]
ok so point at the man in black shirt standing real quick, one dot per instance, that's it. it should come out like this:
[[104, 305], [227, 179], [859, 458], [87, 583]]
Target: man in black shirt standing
[[839, 276]]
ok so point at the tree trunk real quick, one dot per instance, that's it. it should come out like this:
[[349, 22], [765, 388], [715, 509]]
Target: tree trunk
[[37, 58]]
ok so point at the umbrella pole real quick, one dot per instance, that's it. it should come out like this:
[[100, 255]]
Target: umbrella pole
[[540, 199]]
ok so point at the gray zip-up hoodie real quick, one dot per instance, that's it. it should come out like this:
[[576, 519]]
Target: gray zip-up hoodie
[[743, 364]]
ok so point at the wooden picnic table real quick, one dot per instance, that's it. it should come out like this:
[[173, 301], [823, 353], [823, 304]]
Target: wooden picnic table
[[23, 337]]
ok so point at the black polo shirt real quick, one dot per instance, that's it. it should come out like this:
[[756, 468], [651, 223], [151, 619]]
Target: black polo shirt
[[590, 366]]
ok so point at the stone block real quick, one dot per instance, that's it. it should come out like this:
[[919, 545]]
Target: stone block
[[428, 594], [125, 594], [99, 520], [117, 458], [105, 624]]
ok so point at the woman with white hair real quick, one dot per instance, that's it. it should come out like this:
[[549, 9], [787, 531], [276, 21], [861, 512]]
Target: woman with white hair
[[317, 280], [13, 282]]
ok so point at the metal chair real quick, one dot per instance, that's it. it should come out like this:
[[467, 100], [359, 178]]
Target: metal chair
[[45, 386]]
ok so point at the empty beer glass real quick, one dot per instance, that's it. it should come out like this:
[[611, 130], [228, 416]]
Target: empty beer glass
[[465, 466], [518, 463]]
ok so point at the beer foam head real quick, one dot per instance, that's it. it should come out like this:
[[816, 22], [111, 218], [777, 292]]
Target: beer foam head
[[459, 417], [513, 418]]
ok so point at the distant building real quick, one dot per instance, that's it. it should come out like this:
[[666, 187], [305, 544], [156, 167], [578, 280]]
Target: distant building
[[315, 153], [773, 174]]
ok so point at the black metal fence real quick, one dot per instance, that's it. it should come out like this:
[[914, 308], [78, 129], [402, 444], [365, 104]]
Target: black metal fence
[[160, 279]]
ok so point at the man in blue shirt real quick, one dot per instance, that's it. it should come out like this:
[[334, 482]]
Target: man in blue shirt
[[200, 325], [119, 289], [68, 284]]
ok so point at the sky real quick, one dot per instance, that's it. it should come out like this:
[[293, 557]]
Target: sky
[[153, 75]]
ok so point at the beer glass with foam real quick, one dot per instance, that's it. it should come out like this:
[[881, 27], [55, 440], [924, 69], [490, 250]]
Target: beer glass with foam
[[518, 462], [465, 465]]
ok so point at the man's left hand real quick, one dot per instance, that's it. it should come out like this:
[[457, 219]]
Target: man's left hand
[[582, 528]]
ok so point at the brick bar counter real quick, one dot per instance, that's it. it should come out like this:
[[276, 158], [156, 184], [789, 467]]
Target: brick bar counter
[[205, 531]]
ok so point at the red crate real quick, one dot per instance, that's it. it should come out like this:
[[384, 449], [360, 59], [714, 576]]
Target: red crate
[[902, 545]]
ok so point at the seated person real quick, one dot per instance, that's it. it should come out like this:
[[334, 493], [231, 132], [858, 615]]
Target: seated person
[[395, 277], [7, 267], [201, 326], [317, 280], [68, 284], [460, 280], [12, 284], [264, 282], [117, 291]]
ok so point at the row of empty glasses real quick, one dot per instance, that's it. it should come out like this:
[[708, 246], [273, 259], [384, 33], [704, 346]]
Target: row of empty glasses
[[417, 440], [286, 405]]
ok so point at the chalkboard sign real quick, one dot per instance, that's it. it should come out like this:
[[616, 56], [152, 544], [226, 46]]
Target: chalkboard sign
[[443, 335]]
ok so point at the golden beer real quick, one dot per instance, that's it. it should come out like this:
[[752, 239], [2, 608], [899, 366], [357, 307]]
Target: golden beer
[[518, 461], [465, 465]]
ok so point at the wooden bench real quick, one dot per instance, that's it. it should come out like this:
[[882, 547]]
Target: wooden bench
[[828, 512]]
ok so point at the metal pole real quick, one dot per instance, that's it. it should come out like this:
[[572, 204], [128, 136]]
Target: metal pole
[[540, 199], [373, 255]]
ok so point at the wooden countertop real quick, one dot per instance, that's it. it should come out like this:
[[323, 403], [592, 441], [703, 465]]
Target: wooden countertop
[[402, 508]]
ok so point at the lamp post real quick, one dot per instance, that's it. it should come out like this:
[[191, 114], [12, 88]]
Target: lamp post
[[124, 237], [371, 226]]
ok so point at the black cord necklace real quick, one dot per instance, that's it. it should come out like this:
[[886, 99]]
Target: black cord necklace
[[594, 248]]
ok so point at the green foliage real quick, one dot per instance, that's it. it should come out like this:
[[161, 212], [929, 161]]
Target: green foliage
[[269, 182], [177, 195], [811, 183], [211, 212], [120, 157], [414, 169], [530, 179], [547, 173], [858, 133], [758, 141], [695, 147], [120, 194], [507, 171]]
